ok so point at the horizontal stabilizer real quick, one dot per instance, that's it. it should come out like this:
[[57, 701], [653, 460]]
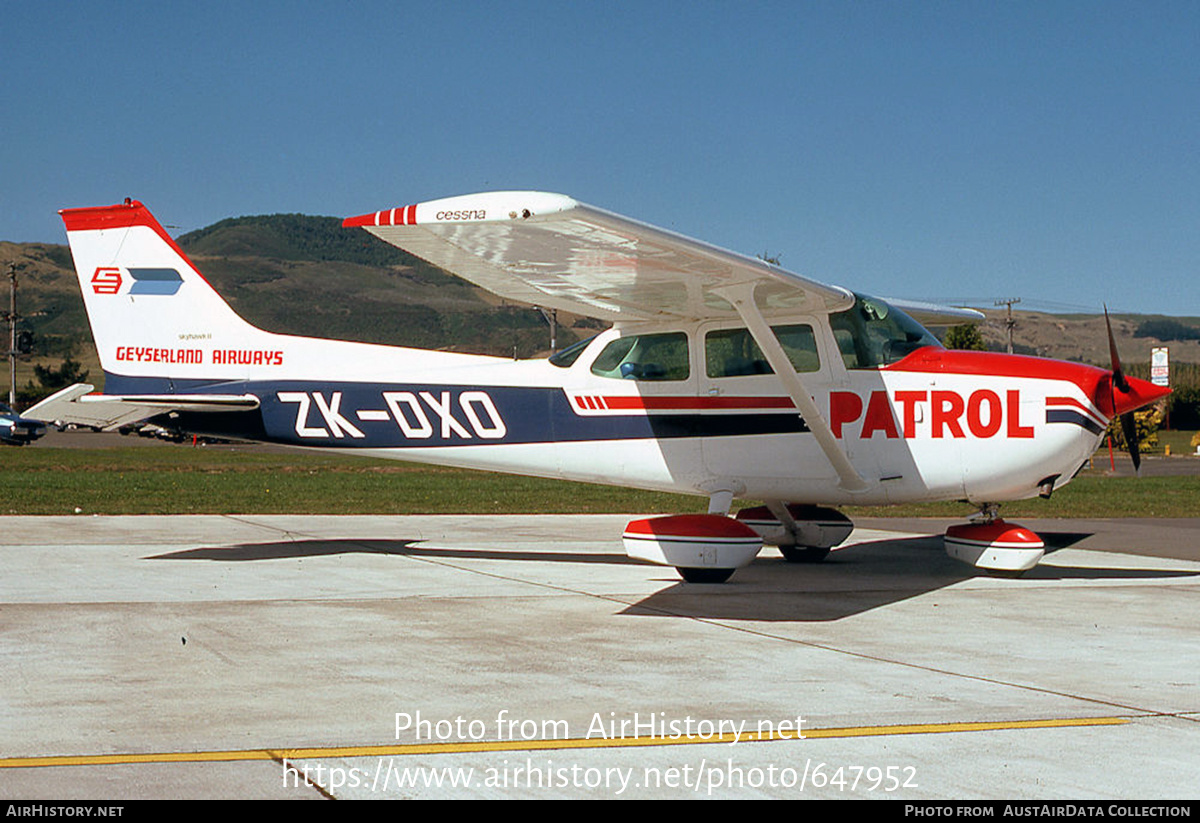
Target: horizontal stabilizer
[[76, 404]]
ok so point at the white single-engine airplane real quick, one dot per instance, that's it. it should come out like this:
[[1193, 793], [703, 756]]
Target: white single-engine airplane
[[722, 375]]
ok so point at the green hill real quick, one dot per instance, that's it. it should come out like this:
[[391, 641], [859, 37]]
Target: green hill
[[48, 297], [296, 274], [296, 237]]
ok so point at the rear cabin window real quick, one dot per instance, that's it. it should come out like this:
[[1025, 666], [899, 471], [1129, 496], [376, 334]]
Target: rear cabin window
[[734, 353], [645, 357]]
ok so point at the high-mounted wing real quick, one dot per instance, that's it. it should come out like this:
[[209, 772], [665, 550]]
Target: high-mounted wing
[[555, 252], [552, 251]]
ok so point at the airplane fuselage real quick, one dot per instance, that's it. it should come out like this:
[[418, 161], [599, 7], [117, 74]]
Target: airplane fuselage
[[935, 425]]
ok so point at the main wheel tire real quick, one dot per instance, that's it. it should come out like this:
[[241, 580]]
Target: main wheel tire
[[803, 554], [696, 575], [1011, 574]]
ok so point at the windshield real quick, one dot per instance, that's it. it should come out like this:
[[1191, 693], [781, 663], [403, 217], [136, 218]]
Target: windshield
[[872, 333], [570, 354]]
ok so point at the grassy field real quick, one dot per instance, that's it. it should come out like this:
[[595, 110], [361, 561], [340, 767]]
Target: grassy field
[[179, 479], [1179, 441]]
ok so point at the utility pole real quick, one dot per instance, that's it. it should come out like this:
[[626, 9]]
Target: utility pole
[[1009, 323], [12, 335]]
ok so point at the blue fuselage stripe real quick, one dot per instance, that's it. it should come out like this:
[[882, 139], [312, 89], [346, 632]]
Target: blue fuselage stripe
[[1068, 416], [361, 415]]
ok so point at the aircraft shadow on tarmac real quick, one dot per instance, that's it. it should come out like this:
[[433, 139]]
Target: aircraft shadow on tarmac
[[296, 549], [855, 579]]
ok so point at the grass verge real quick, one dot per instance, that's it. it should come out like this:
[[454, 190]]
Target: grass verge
[[181, 480], [168, 479]]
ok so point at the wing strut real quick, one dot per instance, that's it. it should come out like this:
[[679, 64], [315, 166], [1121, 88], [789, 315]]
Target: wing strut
[[742, 298]]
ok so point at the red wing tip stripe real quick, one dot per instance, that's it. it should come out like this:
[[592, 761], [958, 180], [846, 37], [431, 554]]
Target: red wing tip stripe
[[399, 216], [361, 220]]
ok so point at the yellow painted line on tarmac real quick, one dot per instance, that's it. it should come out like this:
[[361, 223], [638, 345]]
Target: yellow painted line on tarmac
[[464, 747]]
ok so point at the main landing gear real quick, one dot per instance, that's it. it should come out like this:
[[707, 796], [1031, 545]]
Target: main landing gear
[[704, 548], [1001, 549], [709, 548], [802, 533]]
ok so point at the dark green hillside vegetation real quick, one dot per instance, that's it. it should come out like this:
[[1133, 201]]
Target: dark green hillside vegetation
[[48, 298], [298, 237], [391, 305], [1166, 329], [295, 274]]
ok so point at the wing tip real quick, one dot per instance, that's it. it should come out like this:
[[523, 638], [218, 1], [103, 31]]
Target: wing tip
[[468, 208], [399, 216]]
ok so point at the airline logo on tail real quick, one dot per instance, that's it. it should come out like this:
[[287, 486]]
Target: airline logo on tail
[[108, 280]]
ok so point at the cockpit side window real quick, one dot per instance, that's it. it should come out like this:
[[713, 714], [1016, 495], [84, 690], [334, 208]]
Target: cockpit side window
[[871, 334], [645, 357], [734, 352]]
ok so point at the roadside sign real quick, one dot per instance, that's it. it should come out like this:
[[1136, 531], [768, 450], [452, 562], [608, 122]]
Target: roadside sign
[[1159, 368]]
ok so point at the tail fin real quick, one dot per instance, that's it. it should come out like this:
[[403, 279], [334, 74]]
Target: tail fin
[[152, 313]]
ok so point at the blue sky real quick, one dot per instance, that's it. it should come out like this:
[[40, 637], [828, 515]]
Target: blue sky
[[941, 150]]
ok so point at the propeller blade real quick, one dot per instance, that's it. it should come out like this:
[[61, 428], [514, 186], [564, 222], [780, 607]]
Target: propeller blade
[[1118, 382], [1118, 373]]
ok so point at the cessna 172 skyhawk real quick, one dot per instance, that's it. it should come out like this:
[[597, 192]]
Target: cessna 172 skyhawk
[[722, 375]]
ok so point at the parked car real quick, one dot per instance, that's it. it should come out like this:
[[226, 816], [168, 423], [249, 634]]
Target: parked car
[[16, 430]]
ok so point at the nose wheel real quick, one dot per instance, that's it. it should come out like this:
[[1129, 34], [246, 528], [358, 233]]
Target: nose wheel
[[692, 574]]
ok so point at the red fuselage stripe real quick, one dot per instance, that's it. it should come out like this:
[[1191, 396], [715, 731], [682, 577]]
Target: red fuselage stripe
[[624, 403]]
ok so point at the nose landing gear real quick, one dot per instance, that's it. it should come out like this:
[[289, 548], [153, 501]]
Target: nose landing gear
[[1000, 548]]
